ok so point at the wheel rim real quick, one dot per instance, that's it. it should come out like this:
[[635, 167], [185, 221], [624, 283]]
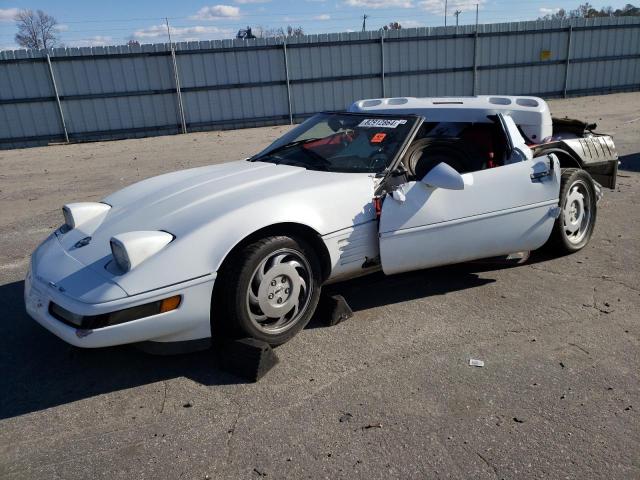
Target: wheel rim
[[576, 212], [279, 291]]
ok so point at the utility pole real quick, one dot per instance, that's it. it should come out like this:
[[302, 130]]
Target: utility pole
[[457, 14], [166, 21], [445, 13], [477, 17], [176, 77], [364, 22]]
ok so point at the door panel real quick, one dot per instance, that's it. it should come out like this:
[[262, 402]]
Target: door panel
[[499, 211]]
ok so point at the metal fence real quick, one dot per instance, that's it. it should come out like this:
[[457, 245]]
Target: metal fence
[[78, 94]]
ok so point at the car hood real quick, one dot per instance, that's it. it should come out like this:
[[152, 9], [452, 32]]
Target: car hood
[[243, 192]]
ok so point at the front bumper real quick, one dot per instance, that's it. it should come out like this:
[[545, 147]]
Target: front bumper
[[190, 321]]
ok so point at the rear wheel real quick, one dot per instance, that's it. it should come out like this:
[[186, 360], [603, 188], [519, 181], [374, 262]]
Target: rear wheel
[[574, 226], [271, 289]]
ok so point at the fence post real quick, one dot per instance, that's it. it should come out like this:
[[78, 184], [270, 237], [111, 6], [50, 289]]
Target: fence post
[[286, 75], [475, 61], [384, 94], [568, 64], [55, 91], [176, 77]]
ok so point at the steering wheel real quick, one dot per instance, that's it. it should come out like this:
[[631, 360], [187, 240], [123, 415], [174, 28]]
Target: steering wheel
[[347, 137]]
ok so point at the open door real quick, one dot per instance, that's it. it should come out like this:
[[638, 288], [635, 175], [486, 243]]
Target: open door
[[491, 212]]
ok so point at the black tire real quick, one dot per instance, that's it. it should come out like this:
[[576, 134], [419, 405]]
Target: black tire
[[562, 241], [243, 295]]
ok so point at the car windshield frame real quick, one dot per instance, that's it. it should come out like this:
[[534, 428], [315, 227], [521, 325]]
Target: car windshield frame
[[291, 140]]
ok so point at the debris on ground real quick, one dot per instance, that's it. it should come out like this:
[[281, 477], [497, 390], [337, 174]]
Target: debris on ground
[[345, 417], [476, 363], [373, 425]]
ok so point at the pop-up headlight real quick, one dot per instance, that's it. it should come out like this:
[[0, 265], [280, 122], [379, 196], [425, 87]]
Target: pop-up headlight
[[76, 214], [132, 248]]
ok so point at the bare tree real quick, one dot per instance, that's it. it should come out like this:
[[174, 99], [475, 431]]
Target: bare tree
[[294, 31], [36, 30], [392, 26], [133, 43], [586, 10], [561, 14], [282, 32]]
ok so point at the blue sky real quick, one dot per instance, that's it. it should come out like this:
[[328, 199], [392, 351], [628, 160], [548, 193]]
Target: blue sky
[[87, 23]]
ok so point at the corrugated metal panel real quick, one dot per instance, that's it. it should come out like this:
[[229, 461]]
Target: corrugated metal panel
[[432, 85], [117, 92]]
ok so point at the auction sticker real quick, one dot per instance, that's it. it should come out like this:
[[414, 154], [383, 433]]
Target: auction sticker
[[378, 137], [381, 123]]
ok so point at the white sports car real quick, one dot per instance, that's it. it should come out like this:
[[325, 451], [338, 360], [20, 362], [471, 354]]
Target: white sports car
[[244, 247]]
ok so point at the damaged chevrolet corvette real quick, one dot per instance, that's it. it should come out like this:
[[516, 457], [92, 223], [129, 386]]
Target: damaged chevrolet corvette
[[244, 248]]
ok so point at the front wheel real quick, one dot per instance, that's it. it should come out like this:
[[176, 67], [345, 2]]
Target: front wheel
[[574, 226], [271, 289]]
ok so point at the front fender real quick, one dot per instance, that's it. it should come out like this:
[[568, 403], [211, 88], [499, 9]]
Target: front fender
[[324, 208]]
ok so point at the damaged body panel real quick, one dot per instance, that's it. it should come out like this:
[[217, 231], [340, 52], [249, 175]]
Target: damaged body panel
[[593, 152]]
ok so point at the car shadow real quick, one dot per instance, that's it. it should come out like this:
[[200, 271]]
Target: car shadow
[[630, 163], [40, 371], [378, 289]]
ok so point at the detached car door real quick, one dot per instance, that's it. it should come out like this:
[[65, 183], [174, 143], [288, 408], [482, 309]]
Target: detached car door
[[498, 211]]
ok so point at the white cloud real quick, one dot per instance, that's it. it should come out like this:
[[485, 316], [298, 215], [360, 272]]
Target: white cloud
[[244, 2], [324, 16], [61, 27], [183, 34], [151, 32], [437, 6], [97, 41], [216, 12], [8, 14], [380, 3], [548, 11], [411, 23]]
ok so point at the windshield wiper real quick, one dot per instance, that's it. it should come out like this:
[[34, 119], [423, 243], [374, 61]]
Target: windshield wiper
[[285, 147]]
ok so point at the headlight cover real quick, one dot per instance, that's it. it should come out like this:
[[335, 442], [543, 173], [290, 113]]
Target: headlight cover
[[77, 214], [132, 248]]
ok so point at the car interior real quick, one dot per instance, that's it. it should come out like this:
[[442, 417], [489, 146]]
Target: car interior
[[467, 147]]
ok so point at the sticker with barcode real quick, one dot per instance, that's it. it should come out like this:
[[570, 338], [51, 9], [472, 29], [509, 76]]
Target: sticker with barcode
[[381, 123]]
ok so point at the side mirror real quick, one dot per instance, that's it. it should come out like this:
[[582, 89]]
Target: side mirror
[[444, 176]]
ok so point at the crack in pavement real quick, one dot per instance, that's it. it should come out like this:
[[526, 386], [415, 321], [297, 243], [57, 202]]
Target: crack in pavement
[[593, 277], [488, 464], [579, 347], [231, 431]]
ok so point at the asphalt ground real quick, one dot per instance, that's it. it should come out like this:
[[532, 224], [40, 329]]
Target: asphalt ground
[[386, 394]]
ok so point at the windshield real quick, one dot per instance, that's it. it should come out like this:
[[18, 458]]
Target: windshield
[[341, 142]]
